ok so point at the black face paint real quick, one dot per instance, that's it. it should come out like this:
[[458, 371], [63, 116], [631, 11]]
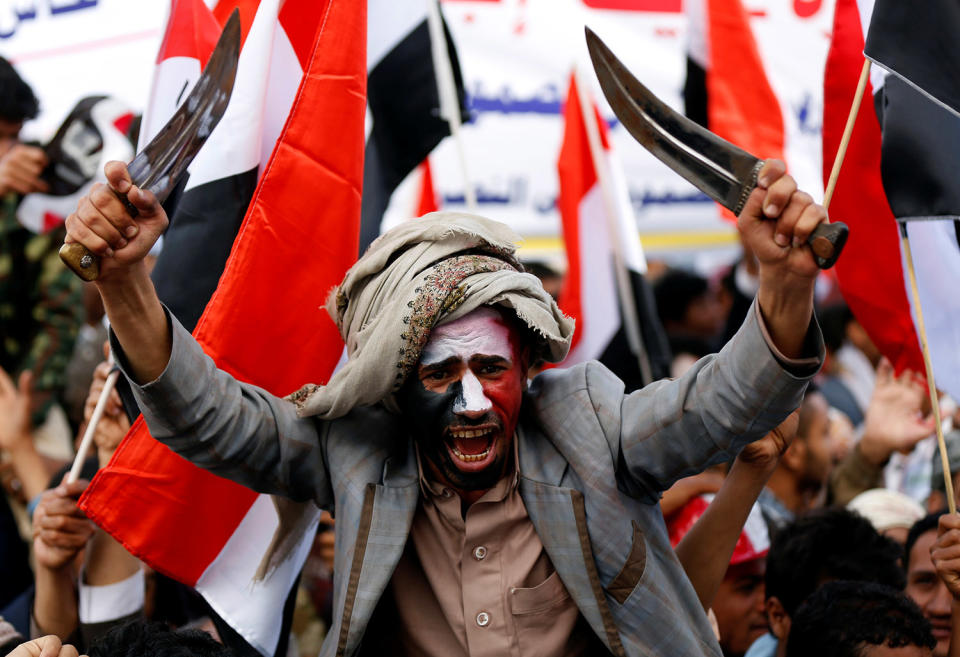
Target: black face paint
[[428, 415]]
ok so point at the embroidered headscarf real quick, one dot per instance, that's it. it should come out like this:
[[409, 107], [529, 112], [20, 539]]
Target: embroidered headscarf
[[422, 273]]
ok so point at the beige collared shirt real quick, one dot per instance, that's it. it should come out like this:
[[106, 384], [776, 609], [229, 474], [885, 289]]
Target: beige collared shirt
[[481, 583]]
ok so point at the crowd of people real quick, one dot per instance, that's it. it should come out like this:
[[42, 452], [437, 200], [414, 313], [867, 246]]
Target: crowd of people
[[784, 497]]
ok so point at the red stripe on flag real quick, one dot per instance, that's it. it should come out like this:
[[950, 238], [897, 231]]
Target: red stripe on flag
[[299, 19], [301, 232], [742, 107], [163, 509], [870, 272], [192, 32], [427, 202], [248, 10], [577, 177]]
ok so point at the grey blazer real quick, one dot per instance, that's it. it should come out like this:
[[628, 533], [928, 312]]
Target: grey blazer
[[592, 462]]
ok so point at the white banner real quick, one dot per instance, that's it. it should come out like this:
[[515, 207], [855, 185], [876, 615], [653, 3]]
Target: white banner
[[68, 49], [516, 57]]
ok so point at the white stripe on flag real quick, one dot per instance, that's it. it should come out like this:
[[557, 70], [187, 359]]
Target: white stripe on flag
[[389, 24], [232, 147], [598, 285], [285, 76], [936, 261], [229, 584], [173, 79]]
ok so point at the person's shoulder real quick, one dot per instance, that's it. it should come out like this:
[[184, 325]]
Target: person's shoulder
[[370, 426], [590, 378]]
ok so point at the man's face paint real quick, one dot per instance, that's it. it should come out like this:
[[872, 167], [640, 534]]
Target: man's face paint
[[463, 404]]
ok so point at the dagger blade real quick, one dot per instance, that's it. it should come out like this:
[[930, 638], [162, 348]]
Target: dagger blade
[[724, 172], [161, 164], [721, 170]]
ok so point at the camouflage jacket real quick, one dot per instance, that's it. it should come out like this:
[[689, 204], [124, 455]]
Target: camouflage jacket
[[41, 305]]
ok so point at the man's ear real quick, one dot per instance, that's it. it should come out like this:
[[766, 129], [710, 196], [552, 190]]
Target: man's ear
[[778, 619], [795, 458]]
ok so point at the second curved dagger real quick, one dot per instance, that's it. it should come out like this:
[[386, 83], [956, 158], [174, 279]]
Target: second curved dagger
[[722, 171]]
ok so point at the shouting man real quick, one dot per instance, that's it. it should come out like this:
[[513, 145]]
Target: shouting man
[[476, 514]]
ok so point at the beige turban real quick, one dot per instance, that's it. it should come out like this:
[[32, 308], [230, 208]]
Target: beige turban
[[426, 271], [886, 509]]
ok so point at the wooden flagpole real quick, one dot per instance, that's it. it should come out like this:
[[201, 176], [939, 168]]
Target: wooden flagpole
[[847, 131], [905, 242], [928, 365], [631, 322], [92, 427]]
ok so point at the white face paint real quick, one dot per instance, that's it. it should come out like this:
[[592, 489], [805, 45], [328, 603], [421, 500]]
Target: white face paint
[[478, 333]]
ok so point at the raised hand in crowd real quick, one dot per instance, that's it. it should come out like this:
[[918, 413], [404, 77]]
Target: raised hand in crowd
[[20, 169], [45, 646], [29, 471], [706, 549], [894, 421], [113, 424], [60, 533]]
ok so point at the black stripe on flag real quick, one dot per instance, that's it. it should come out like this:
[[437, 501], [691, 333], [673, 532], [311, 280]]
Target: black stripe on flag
[[405, 107], [198, 242], [620, 359], [918, 153], [918, 41]]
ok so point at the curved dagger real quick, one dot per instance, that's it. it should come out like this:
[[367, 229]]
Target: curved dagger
[[722, 171], [164, 160]]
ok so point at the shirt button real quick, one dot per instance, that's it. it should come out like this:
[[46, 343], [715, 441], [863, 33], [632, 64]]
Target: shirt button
[[479, 552], [483, 619]]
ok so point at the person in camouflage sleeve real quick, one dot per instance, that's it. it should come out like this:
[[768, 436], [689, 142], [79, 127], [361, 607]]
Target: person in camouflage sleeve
[[40, 300]]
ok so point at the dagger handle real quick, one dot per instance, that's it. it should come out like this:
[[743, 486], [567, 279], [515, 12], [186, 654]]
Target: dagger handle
[[826, 242], [83, 262]]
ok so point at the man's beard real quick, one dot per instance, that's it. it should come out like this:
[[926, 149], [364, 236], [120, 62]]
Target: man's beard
[[429, 417]]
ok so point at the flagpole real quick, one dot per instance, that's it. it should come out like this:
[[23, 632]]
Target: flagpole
[[631, 323], [92, 426], [928, 365], [905, 242], [447, 92], [847, 132]]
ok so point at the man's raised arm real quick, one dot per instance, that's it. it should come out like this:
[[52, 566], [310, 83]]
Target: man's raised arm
[[775, 223], [101, 223]]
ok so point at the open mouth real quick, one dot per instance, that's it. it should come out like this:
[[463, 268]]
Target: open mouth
[[471, 445]]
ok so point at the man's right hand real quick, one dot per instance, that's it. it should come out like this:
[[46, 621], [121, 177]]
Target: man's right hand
[[20, 169], [60, 528], [102, 224]]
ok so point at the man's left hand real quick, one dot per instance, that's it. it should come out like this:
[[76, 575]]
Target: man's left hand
[[775, 225], [776, 222]]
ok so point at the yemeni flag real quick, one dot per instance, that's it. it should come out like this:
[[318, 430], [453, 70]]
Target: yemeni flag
[[210, 533], [591, 235], [403, 100], [898, 168], [222, 178]]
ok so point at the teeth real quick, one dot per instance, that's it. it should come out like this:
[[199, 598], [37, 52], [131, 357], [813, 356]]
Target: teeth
[[469, 458], [469, 433]]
